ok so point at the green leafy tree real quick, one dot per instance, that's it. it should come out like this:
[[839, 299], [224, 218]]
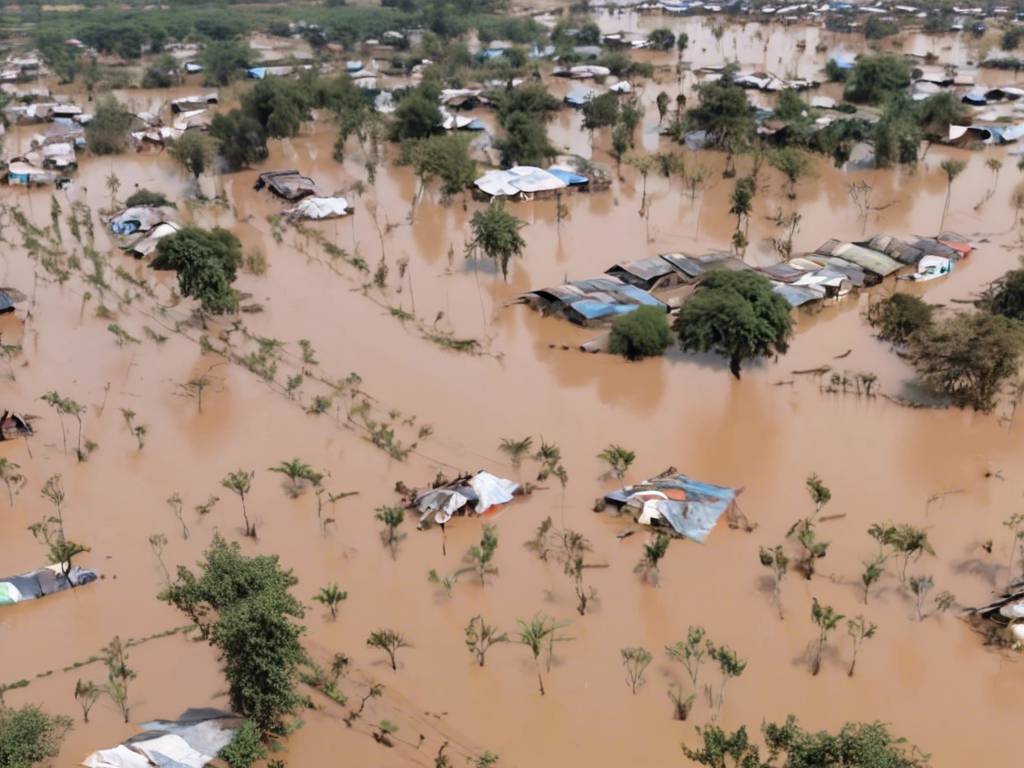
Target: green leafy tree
[[793, 164], [279, 105], [10, 475], [246, 747], [635, 660], [107, 132], [239, 483], [389, 641], [859, 629], [690, 653], [206, 262], [968, 357], [602, 111], [952, 169], [654, 551], [299, 474], [730, 665], [898, 317], [737, 315], [525, 141], [193, 151], [496, 235], [29, 736], [939, 111], [724, 112], [539, 633], [826, 619], [240, 139], [774, 558], [1005, 296], [874, 77], [223, 61], [243, 606], [480, 556], [119, 674], [416, 117], [392, 517], [331, 597], [480, 636], [516, 450], [86, 694], [644, 332], [618, 459], [873, 571]]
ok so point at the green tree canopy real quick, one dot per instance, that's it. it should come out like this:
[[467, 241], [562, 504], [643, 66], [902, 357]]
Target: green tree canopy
[[874, 77], [525, 141], [968, 357], [416, 117], [496, 235], [224, 61], [107, 132], [206, 262], [724, 112], [279, 105], [737, 315], [240, 139], [936, 113], [244, 607], [193, 152], [28, 736], [1006, 296], [445, 157], [898, 317], [601, 111], [642, 333]]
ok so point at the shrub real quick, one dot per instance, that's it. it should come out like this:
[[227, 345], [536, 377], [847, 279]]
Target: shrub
[[245, 747], [107, 132], [145, 196], [899, 317], [642, 333]]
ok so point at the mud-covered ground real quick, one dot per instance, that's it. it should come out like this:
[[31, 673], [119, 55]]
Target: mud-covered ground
[[954, 472]]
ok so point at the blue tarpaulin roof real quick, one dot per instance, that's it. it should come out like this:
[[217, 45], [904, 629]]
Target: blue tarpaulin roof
[[691, 507], [568, 177]]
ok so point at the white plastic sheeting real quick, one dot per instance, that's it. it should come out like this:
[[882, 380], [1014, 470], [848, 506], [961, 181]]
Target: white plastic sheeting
[[319, 208], [517, 180], [491, 490], [118, 757]]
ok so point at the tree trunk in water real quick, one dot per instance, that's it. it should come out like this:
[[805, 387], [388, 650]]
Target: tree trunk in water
[[734, 366], [540, 679]]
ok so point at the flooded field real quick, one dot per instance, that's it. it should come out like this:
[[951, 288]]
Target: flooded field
[[952, 472]]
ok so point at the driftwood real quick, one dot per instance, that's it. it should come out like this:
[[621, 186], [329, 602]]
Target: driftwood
[[820, 370], [844, 355]]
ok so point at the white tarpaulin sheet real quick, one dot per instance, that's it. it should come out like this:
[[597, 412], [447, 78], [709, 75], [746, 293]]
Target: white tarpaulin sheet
[[520, 179], [118, 757], [443, 503], [491, 490], [171, 750], [319, 208]]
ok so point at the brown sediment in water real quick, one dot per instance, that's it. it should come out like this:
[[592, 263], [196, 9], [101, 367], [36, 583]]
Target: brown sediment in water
[[882, 461]]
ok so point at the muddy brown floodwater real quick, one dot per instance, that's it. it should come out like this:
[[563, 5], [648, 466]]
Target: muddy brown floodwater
[[881, 460]]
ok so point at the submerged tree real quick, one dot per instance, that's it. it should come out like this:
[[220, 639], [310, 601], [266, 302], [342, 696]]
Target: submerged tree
[[29, 736], [952, 169], [618, 459], [654, 551], [873, 570], [907, 542], [193, 151], [539, 633], [826, 619], [239, 482], [206, 262], [480, 636], [86, 694], [389, 641], [10, 475], [392, 517], [496, 235], [331, 597], [635, 660], [478, 558], [642, 333], [298, 474], [119, 674], [774, 558], [690, 653], [898, 317], [737, 315], [859, 630]]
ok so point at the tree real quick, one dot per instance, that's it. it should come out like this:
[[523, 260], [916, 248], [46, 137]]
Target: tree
[[540, 632], [654, 551], [873, 570], [392, 517], [874, 77], [908, 542], [826, 619], [952, 169], [206, 262], [662, 39], [856, 745], [690, 653], [741, 201], [240, 139], [635, 660], [416, 117], [223, 60], [601, 111], [389, 641], [920, 586], [525, 141], [729, 664], [718, 745], [279, 106], [107, 132], [1005, 296], [939, 111], [774, 558], [193, 151], [60, 551], [239, 482], [793, 164], [968, 357], [245, 748], [859, 630], [119, 674], [28, 736], [735, 314], [86, 694], [243, 606], [662, 103], [479, 557], [897, 134], [445, 157], [516, 450], [331, 596], [811, 548], [13, 480], [724, 112], [496, 235], [618, 459], [644, 332], [480, 636], [898, 317], [298, 473]]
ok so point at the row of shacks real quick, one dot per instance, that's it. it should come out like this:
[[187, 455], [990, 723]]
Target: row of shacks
[[831, 272]]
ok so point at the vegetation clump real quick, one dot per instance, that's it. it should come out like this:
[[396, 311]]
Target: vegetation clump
[[642, 333]]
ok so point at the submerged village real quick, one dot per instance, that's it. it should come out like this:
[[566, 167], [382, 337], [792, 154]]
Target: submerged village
[[479, 383]]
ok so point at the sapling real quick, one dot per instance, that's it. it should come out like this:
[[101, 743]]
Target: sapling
[[920, 586], [539, 632], [826, 619], [635, 660], [392, 517], [53, 492], [10, 475], [177, 505], [239, 482], [389, 641], [775, 559], [859, 630], [478, 559], [681, 704], [480, 636], [541, 543], [906, 541], [331, 596], [618, 460], [516, 450], [690, 653], [383, 732], [86, 694], [654, 551], [374, 691], [157, 542], [730, 665], [339, 666], [445, 582], [119, 674], [812, 548], [873, 570], [298, 474]]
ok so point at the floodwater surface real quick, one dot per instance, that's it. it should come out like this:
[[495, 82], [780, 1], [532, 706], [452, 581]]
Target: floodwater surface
[[953, 472]]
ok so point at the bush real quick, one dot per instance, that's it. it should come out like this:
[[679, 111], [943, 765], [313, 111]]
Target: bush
[[899, 317], [29, 736], [968, 357], [875, 77], [144, 196], [642, 333], [416, 117], [240, 139], [1006, 296], [245, 747], [206, 262], [107, 132]]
